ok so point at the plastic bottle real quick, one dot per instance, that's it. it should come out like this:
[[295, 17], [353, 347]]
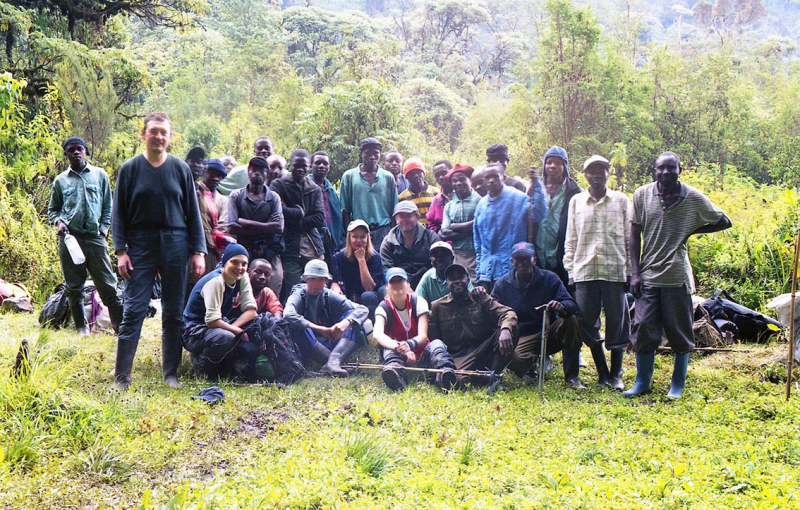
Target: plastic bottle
[[74, 249]]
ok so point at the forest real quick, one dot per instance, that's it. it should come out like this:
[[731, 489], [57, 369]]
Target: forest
[[716, 82]]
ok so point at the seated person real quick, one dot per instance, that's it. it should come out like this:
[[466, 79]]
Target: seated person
[[527, 287], [433, 285], [401, 329], [407, 245], [480, 333], [259, 272], [327, 327], [357, 271], [213, 339]]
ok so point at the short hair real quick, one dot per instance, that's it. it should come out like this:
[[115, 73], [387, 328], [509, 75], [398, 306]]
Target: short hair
[[393, 151], [259, 261], [299, 153], [320, 153], [262, 137], [669, 153], [445, 162], [275, 157], [158, 117]]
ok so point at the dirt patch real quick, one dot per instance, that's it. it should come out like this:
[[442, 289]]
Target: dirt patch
[[259, 422]]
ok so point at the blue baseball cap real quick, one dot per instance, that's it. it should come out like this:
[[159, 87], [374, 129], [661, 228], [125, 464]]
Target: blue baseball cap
[[526, 249], [217, 166], [396, 271]]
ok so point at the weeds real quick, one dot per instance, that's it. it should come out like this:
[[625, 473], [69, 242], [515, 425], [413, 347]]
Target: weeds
[[372, 458]]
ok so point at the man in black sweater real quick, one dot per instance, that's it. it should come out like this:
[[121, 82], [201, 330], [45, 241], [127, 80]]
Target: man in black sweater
[[157, 230]]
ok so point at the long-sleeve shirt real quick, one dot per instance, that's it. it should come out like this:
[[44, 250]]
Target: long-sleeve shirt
[[371, 203], [435, 214], [461, 211], [545, 286], [302, 213], [415, 259], [82, 200], [324, 309], [332, 207], [465, 324], [211, 299], [597, 245], [150, 198], [348, 275], [500, 223]]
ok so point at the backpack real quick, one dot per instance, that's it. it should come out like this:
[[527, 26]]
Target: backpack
[[752, 325], [273, 341], [55, 312]]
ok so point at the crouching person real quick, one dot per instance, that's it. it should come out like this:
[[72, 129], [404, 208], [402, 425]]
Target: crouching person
[[401, 329], [215, 341], [327, 327]]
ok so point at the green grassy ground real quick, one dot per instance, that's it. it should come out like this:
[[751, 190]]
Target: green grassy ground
[[67, 442]]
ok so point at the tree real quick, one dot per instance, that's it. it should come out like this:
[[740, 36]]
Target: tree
[[726, 18], [437, 112]]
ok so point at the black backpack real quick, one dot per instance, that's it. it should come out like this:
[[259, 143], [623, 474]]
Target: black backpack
[[55, 312], [273, 340]]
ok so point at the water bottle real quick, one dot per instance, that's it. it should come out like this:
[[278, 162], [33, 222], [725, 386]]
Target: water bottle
[[74, 249]]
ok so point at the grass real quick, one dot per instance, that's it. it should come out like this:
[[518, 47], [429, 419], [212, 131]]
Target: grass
[[67, 442]]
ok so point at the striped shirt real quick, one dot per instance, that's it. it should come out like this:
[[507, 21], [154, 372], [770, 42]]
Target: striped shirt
[[597, 245], [422, 200], [461, 211], [665, 229]]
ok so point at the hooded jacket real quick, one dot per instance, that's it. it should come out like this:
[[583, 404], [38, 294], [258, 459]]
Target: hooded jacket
[[570, 191]]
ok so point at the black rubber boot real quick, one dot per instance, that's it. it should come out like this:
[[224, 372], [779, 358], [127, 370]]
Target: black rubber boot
[[599, 357], [341, 351], [171, 354], [615, 382], [79, 317], [572, 369], [394, 377], [126, 351], [115, 315], [320, 354]]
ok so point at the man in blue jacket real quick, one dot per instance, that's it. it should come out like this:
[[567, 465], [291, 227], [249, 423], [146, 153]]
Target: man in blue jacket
[[524, 289]]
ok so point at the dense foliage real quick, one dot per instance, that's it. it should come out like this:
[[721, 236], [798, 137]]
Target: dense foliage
[[717, 82]]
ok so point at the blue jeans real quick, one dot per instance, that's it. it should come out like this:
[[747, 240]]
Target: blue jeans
[[306, 339], [164, 252]]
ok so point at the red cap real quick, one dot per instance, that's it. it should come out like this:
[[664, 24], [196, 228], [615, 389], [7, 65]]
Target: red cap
[[464, 169]]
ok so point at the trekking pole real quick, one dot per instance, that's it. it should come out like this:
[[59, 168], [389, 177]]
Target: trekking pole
[[790, 361], [543, 349], [494, 377]]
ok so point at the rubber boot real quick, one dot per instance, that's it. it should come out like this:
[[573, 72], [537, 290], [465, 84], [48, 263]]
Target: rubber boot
[[343, 349], [79, 318], [644, 375], [115, 315], [681, 365], [126, 351], [615, 381], [394, 377], [599, 357], [171, 354], [320, 353], [572, 369]]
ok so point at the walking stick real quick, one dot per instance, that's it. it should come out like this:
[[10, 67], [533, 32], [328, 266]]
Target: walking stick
[[543, 349], [494, 378], [790, 361]]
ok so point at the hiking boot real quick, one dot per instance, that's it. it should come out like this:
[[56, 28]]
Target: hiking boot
[[394, 378], [84, 331], [447, 380]]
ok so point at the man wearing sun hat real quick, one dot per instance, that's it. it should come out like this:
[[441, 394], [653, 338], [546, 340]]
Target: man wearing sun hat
[[419, 191], [327, 327], [408, 244]]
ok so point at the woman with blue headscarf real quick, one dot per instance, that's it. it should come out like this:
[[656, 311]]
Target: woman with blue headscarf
[[209, 335]]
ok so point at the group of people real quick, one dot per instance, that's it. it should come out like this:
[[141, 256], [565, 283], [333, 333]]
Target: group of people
[[454, 275]]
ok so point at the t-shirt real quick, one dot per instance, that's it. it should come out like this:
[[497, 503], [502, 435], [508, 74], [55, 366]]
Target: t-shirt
[[422, 200], [665, 229]]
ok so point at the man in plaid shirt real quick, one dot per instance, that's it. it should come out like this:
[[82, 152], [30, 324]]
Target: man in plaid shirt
[[597, 259]]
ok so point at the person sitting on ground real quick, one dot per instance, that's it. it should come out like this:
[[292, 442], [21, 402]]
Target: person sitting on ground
[[327, 327], [433, 284], [435, 213], [210, 335], [259, 273], [401, 330], [480, 333], [419, 191], [525, 288], [357, 269], [408, 244]]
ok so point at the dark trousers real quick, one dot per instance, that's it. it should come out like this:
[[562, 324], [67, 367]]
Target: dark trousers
[[306, 338], [164, 252], [377, 234], [434, 356], [562, 334], [664, 311], [293, 269], [214, 351], [611, 295], [484, 356], [98, 265]]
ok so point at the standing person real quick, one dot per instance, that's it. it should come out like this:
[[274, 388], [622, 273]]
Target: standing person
[[277, 168], [327, 327], [209, 201], [331, 206], [157, 230], [229, 162], [435, 213], [301, 200], [498, 154], [665, 214], [237, 178], [419, 191], [458, 217], [196, 159], [501, 221], [255, 218], [369, 192], [216, 171], [478, 180], [401, 330], [407, 245], [357, 269], [596, 257], [80, 205], [393, 162]]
